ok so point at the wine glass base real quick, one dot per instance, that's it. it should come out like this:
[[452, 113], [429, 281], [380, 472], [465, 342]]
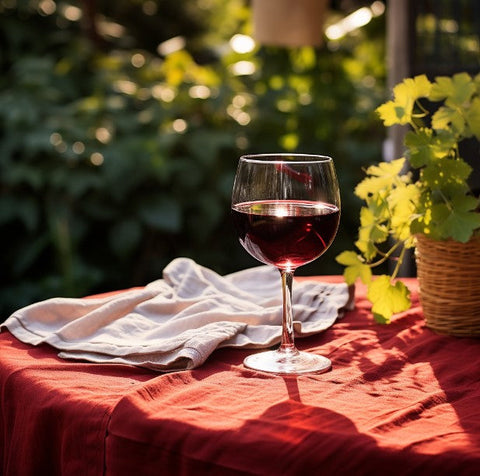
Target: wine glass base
[[288, 362]]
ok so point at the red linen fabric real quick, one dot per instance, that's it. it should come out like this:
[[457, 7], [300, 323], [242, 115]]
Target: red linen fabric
[[398, 400], [54, 413]]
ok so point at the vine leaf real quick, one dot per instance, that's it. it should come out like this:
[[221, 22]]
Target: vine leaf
[[448, 175], [446, 118], [387, 298], [379, 177], [473, 117], [355, 267], [460, 220], [456, 90], [400, 110], [424, 147], [403, 202], [371, 231]]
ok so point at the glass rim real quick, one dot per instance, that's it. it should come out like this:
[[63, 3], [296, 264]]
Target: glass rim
[[281, 156]]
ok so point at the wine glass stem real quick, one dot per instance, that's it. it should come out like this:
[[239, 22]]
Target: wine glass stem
[[288, 343]]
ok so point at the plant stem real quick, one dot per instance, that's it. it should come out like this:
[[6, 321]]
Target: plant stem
[[387, 254], [399, 263], [448, 203], [424, 110]]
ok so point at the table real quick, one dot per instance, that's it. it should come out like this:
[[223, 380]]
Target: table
[[399, 400]]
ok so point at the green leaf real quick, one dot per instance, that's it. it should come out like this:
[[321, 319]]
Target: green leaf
[[371, 226], [403, 195], [348, 258], [473, 117], [456, 92], [406, 93], [448, 175], [417, 87], [403, 203], [366, 246], [457, 221], [355, 267], [457, 89], [424, 146], [447, 117], [373, 229], [392, 113], [387, 298], [379, 177]]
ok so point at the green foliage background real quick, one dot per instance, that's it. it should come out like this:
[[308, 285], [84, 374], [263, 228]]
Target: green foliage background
[[114, 159]]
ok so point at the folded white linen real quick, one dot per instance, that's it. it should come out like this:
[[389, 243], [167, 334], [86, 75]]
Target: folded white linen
[[176, 322]]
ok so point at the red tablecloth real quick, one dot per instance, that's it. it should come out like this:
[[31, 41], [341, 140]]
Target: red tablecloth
[[399, 400]]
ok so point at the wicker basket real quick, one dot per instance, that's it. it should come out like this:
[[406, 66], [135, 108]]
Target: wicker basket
[[449, 281]]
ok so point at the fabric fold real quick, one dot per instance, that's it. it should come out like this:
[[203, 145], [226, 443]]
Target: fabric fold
[[176, 322]]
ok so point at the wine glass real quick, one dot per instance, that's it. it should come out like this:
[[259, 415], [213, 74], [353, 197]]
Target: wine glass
[[286, 210]]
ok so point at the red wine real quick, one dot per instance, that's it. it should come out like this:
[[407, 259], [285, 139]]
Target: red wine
[[286, 233]]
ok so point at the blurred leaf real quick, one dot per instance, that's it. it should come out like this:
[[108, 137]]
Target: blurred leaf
[[290, 141], [82, 181], [207, 213], [207, 145], [24, 209], [21, 174], [457, 89], [162, 213], [30, 253], [125, 237], [473, 118]]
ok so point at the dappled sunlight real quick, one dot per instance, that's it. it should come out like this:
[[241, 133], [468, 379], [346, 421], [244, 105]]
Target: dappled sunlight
[[355, 20], [241, 68], [172, 45], [242, 43]]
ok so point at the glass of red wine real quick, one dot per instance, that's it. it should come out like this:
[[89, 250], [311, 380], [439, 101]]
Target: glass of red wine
[[286, 210]]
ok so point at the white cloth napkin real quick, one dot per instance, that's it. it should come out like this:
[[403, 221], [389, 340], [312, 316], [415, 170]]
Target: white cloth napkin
[[177, 322]]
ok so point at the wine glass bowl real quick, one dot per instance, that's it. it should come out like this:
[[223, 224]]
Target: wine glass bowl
[[286, 210]]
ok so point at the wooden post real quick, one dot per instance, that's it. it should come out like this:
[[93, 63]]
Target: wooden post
[[399, 37]]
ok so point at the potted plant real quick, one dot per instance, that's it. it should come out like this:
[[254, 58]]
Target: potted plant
[[423, 201]]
